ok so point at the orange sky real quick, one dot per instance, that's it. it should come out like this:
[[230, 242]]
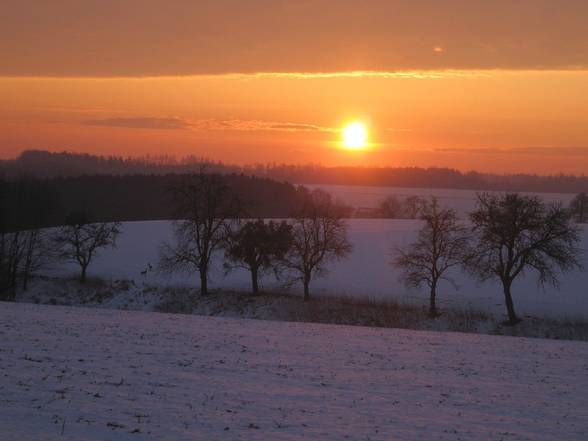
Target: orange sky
[[500, 87]]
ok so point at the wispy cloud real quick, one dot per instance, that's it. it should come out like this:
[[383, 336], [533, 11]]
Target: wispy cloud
[[206, 124], [252, 125], [408, 74], [398, 129], [141, 123], [566, 151]]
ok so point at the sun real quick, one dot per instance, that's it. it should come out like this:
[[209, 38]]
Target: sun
[[355, 136]]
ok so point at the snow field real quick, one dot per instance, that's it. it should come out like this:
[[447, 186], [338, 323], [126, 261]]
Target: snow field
[[92, 374]]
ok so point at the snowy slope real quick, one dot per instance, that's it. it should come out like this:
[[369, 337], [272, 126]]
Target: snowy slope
[[366, 273], [90, 374]]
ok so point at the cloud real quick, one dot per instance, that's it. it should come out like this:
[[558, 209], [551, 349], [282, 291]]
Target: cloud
[[255, 125], [408, 74], [398, 130], [206, 124], [236, 36], [546, 151], [141, 123]]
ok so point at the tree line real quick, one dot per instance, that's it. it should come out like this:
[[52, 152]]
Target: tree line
[[133, 198], [44, 164], [508, 235]]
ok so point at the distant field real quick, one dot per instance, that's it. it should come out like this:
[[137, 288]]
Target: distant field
[[367, 273], [461, 200]]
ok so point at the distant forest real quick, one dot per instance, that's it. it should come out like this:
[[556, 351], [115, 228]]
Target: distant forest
[[43, 164], [45, 202]]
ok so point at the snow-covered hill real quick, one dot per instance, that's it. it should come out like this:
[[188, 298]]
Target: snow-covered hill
[[366, 273], [91, 374]]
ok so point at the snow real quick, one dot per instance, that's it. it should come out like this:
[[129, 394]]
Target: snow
[[366, 273], [92, 374], [463, 201]]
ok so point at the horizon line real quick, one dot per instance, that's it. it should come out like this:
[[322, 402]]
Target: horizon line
[[209, 160]]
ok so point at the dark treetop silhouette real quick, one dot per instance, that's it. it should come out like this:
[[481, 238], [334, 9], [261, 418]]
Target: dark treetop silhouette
[[516, 234]]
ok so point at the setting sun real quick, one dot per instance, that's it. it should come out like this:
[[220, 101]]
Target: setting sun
[[355, 136]]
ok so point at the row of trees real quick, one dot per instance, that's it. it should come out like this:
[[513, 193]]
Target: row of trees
[[210, 221], [509, 235], [393, 207], [411, 207]]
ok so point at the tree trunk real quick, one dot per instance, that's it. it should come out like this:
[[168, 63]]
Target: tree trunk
[[28, 262], [203, 282], [83, 275], [512, 317], [254, 285], [306, 288], [13, 281], [12, 285], [25, 280], [433, 300]]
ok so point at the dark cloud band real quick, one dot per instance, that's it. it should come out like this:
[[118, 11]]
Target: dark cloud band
[[109, 38]]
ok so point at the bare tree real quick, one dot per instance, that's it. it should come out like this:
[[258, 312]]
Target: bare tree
[[390, 207], [319, 236], [441, 244], [22, 253], [79, 240], [10, 238], [38, 253], [518, 233], [258, 247], [4, 209], [36, 249], [206, 209], [413, 207], [24, 202], [579, 208], [11, 253], [394, 208]]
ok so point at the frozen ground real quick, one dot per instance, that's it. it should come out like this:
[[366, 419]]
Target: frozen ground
[[127, 295], [92, 374], [366, 273]]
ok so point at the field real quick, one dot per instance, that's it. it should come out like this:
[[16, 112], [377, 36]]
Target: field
[[91, 374], [463, 201]]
